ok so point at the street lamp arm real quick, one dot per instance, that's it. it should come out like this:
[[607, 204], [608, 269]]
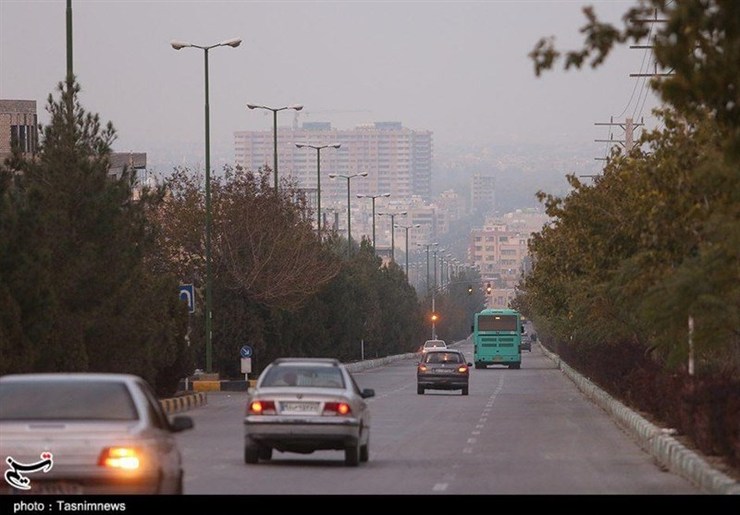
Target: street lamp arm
[[318, 147], [177, 45]]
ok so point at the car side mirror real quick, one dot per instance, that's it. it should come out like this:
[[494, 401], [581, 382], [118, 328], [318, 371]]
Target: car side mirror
[[367, 393], [470, 364], [181, 423]]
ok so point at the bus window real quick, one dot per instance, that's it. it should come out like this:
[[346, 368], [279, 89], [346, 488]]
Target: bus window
[[497, 323]]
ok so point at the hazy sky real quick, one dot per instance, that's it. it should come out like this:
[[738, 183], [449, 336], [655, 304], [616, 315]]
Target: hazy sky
[[459, 69]]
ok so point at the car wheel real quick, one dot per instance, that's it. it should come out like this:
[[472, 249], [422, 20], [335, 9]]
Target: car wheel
[[365, 452], [465, 390], [352, 455], [420, 390], [478, 366], [265, 453], [180, 489], [251, 453]]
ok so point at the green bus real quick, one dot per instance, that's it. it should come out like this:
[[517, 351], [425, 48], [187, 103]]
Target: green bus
[[497, 338]]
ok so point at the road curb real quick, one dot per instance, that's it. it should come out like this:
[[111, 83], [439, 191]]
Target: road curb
[[668, 451], [183, 402]]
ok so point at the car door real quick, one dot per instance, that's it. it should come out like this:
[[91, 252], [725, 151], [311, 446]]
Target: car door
[[364, 412], [165, 444]]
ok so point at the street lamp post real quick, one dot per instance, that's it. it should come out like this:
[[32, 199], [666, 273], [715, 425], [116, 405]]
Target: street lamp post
[[177, 45], [393, 232], [373, 197], [427, 245], [318, 176], [406, 228], [275, 111], [349, 213], [434, 252]]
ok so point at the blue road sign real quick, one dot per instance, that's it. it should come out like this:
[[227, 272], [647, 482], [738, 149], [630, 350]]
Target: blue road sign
[[187, 293], [246, 351]]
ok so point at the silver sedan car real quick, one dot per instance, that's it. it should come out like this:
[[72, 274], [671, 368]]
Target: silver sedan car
[[303, 405], [87, 433]]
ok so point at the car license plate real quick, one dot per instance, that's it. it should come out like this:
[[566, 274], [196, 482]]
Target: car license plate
[[300, 407], [444, 371]]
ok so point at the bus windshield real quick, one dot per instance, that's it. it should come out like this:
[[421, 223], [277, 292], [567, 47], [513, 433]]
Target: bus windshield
[[497, 323]]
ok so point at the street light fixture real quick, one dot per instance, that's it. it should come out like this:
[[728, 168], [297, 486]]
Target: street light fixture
[[360, 195], [318, 176], [349, 214], [178, 45], [393, 232], [407, 227], [274, 133]]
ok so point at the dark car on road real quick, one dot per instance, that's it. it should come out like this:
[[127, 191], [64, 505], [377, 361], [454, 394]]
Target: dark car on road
[[443, 369], [526, 342]]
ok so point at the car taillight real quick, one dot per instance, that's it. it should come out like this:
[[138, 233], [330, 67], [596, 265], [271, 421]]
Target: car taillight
[[422, 368], [462, 369], [337, 408], [261, 408], [126, 458]]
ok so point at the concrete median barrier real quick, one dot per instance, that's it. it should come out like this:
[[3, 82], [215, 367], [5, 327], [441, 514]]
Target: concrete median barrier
[[183, 402]]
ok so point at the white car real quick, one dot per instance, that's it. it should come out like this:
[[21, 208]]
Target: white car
[[304, 405], [433, 344], [87, 433]]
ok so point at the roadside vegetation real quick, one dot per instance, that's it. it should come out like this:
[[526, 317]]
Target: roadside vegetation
[[636, 282], [90, 266]]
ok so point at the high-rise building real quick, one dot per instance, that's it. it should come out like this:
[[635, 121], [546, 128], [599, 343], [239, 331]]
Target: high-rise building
[[18, 126], [398, 160], [483, 193]]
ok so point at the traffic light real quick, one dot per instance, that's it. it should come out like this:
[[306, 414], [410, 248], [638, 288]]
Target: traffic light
[[488, 288], [470, 290]]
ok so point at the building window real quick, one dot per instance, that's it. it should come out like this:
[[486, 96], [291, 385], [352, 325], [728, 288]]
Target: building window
[[24, 137]]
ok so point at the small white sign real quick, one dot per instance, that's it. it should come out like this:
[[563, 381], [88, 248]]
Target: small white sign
[[246, 365]]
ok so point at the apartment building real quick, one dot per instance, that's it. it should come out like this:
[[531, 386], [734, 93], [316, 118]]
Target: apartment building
[[18, 126], [483, 193], [397, 159]]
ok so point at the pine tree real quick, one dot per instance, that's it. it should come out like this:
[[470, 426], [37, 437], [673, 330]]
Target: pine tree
[[78, 274]]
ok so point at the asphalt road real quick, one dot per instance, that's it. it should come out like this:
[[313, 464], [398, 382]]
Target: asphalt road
[[521, 432]]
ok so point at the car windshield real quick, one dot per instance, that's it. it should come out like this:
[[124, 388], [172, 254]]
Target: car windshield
[[434, 344], [66, 400], [443, 357], [304, 375]]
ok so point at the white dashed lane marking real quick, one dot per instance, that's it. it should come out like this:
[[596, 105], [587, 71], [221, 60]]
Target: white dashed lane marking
[[468, 449]]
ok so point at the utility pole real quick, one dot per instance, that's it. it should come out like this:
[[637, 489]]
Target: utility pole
[[629, 139], [655, 72], [629, 125]]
